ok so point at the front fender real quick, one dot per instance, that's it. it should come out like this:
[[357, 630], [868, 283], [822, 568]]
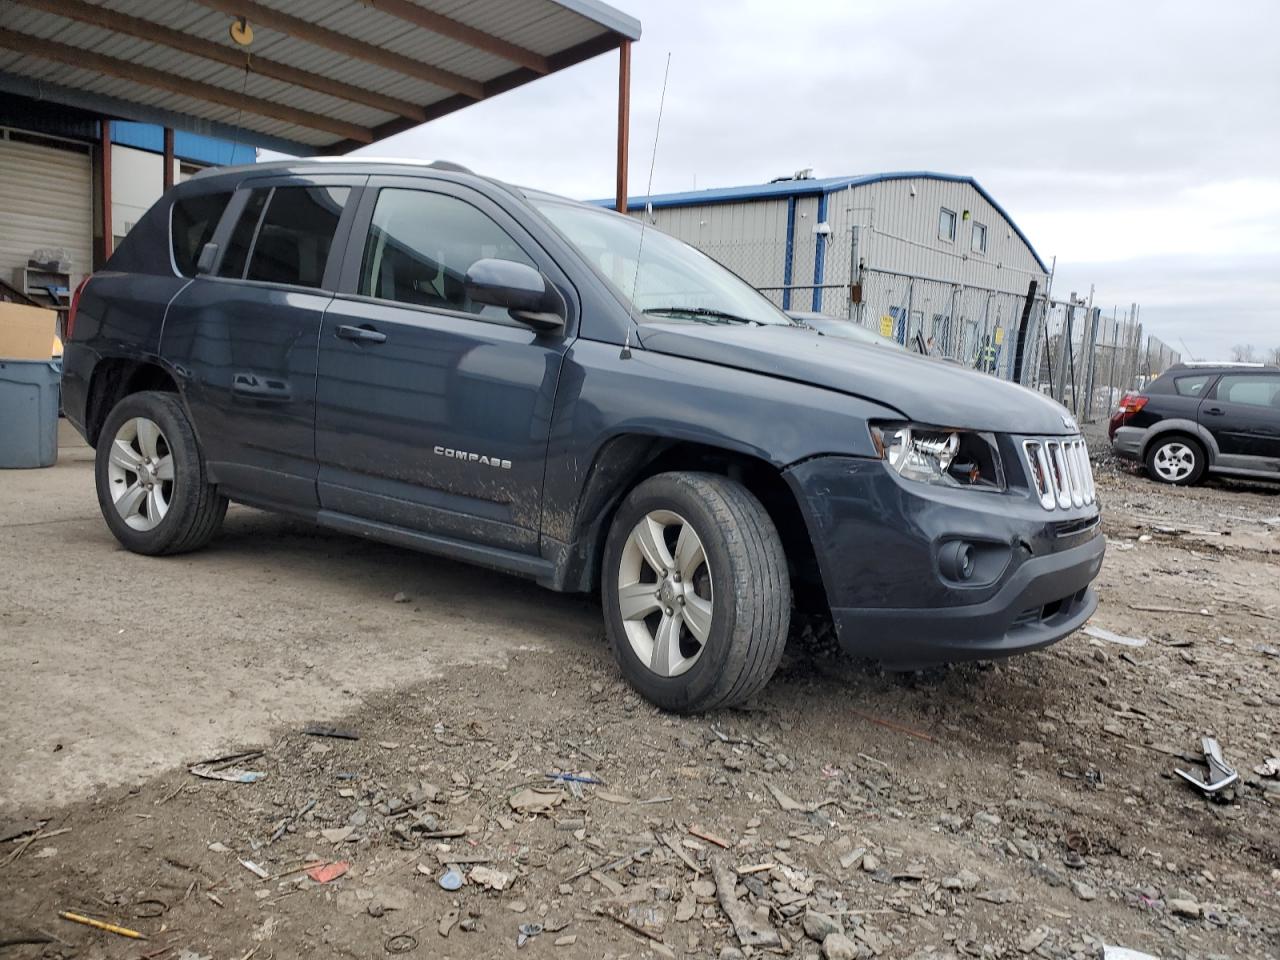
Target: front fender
[[603, 396]]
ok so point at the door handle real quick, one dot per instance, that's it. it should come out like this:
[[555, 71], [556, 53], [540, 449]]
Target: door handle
[[360, 334], [1215, 411]]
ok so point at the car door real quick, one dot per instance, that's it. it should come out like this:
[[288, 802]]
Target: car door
[[1243, 414], [244, 337], [433, 412]]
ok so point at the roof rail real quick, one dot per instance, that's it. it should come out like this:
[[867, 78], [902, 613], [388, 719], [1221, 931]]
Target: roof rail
[[1220, 363]]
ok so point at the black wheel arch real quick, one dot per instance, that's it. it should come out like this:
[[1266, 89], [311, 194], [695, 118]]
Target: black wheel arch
[[626, 461], [115, 378]]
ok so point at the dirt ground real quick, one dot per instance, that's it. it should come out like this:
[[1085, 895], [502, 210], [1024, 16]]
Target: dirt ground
[[1022, 808]]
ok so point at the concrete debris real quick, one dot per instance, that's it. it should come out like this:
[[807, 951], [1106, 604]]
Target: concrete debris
[[751, 930], [535, 800]]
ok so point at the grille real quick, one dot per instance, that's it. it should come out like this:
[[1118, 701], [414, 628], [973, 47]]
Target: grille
[[1060, 472]]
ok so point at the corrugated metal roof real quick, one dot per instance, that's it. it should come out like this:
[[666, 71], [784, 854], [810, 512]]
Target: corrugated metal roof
[[810, 187], [560, 31]]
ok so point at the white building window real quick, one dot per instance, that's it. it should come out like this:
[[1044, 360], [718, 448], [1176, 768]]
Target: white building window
[[947, 225], [979, 239]]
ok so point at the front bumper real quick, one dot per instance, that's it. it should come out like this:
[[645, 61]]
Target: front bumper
[[878, 539], [1128, 442]]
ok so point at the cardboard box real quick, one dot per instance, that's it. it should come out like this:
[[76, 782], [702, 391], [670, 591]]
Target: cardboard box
[[27, 333]]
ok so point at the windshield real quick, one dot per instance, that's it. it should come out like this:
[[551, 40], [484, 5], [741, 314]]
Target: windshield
[[675, 280]]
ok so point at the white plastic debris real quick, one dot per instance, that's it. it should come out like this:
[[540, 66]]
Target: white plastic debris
[[1124, 953], [1101, 633]]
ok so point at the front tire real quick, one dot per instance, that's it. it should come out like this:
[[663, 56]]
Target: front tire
[[696, 593], [1176, 460], [152, 486]]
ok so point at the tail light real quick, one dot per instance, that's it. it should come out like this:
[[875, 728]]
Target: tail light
[[70, 325], [1130, 404]]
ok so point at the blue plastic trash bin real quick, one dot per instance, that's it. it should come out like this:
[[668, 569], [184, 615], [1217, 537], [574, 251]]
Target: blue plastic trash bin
[[29, 392]]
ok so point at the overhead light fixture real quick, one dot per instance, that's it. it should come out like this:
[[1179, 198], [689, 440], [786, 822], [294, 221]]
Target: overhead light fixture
[[241, 32]]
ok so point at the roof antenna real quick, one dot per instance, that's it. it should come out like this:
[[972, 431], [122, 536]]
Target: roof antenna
[[648, 206]]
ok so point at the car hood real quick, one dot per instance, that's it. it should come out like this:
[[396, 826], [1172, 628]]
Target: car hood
[[924, 389]]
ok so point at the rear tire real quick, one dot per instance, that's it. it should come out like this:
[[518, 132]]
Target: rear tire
[[722, 603], [152, 485], [1176, 459]]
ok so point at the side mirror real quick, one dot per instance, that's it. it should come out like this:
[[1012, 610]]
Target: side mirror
[[208, 257], [524, 291]]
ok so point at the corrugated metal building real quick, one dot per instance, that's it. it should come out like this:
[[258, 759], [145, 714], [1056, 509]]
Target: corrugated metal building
[[904, 252]]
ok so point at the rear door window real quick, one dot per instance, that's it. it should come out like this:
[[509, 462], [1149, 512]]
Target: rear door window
[[192, 223], [295, 235], [242, 235], [284, 235], [1250, 389]]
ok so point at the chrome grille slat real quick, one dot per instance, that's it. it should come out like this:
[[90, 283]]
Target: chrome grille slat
[[1060, 472]]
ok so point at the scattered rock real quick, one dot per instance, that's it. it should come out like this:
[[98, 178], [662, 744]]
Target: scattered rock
[[837, 946], [1083, 890], [489, 878], [1033, 940], [819, 926], [965, 880], [1181, 907], [1000, 895], [704, 890]]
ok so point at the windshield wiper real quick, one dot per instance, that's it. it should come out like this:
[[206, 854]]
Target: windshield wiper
[[708, 312]]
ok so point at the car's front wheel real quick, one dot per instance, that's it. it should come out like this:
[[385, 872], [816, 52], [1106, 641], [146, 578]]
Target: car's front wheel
[[1177, 460], [152, 486], [697, 596]]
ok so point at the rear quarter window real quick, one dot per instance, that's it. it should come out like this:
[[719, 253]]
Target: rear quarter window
[[192, 223], [1191, 386]]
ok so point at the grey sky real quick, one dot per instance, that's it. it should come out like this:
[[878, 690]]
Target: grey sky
[[1138, 142]]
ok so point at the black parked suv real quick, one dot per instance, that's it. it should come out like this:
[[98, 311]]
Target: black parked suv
[[420, 355], [1200, 418]]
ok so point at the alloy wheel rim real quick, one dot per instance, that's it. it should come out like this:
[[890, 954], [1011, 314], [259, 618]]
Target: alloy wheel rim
[[665, 593], [1174, 461], [140, 473]]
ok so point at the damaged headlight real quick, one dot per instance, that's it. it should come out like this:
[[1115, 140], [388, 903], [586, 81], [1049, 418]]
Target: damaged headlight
[[954, 458]]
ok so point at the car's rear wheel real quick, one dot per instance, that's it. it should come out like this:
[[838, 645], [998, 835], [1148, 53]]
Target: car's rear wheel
[[1177, 460], [152, 485], [696, 593]]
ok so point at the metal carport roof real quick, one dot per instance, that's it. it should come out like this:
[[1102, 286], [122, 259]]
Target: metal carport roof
[[319, 76]]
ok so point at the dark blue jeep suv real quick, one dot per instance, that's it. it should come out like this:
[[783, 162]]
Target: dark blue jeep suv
[[417, 354]]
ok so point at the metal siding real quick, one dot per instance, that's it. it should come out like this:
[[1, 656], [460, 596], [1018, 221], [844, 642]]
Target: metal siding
[[127, 90], [47, 198], [739, 234], [805, 248], [900, 233], [542, 26]]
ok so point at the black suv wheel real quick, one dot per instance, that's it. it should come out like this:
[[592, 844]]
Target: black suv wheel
[[1176, 459], [152, 486], [696, 593]]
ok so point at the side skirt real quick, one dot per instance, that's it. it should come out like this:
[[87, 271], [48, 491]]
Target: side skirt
[[494, 558]]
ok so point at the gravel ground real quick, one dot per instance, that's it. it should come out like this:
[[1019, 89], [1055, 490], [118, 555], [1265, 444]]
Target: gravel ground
[[1022, 808]]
